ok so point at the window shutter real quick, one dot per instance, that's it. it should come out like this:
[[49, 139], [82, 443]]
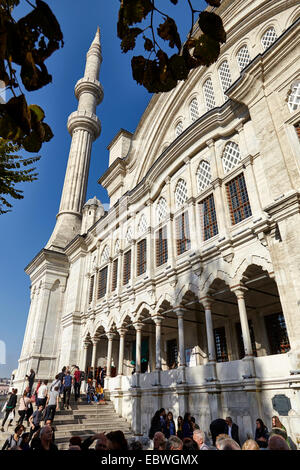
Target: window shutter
[[115, 275], [161, 246], [208, 217], [127, 267], [141, 257], [102, 282], [238, 200], [91, 291]]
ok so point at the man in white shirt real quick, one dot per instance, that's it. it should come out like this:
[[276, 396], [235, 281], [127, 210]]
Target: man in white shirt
[[42, 394], [52, 404]]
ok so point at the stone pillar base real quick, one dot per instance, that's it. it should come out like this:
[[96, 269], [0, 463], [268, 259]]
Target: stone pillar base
[[136, 397], [248, 367]]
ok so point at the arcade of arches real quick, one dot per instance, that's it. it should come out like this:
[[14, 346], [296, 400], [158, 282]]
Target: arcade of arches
[[229, 323]]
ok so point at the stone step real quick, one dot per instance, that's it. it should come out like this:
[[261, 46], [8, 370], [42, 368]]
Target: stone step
[[91, 424]]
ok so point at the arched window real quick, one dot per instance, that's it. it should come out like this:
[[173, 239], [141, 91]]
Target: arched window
[[117, 246], [225, 77], [142, 225], [105, 254], [243, 57], [231, 156], [178, 129], [180, 193], [294, 96], [129, 235], [268, 38], [161, 209], [194, 111], [209, 95], [203, 175]]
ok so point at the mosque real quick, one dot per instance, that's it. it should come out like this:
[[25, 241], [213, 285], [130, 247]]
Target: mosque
[[187, 288]]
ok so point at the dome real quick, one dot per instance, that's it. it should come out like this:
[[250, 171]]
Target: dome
[[93, 202]]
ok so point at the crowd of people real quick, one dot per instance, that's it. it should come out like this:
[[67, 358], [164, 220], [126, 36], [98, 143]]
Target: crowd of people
[[165, 433]]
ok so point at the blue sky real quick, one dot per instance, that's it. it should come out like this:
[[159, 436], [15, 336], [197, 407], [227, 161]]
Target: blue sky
[[26, 230]]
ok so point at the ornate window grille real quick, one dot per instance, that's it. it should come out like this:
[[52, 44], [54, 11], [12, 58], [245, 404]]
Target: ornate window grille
[[238, 200], [181, 193], [141, 257], [102, 282], [127, 267], [161, 209], [243, 57], [221, 344], [294, 97], [129, 235], [194, 111], [105, 254], [277, 333], [231, 156], [268, 38], [161, 246], [117, 246], [142, 225], [183, 242], [209, 94], [203, 175], [114, 275], [225, 77], [178, 129], [208, 217]]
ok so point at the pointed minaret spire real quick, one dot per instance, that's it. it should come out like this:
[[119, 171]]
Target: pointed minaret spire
[[84, 127]]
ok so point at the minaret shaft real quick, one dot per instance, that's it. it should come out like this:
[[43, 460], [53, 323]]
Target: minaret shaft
[[84, 127]]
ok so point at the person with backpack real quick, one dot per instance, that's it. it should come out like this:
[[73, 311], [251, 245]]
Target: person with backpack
[[15, 439], [67, 383], [35, 420], [10, 407]]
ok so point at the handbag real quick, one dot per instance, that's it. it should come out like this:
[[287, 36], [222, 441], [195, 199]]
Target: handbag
[[11, 415], [4, 406]]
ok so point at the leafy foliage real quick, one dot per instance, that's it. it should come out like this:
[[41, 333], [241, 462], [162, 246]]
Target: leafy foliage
[[14, 169], [162, 73], [26, 43]]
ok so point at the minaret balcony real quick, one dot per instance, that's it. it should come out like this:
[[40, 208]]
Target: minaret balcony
[[89, 85], [83, 120]]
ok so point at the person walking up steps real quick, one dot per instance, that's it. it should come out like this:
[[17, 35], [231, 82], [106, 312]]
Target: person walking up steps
[[67, 382], [10, 407], [23, 406], [77, 383]]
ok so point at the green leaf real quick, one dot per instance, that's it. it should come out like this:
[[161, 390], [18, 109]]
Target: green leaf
[[206, 50], [148, 44], [212, 25], [18, 110], [32, 143], [9, 129], [33, 77], [48, 132], [138, 65], [128, 41], [214, 3], [178, 67], [168, 32], [37, 111], [134, 11]]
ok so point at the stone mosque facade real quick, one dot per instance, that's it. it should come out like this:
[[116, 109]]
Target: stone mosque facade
[[187, 288]]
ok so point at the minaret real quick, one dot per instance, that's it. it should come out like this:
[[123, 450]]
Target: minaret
[[84, 127]]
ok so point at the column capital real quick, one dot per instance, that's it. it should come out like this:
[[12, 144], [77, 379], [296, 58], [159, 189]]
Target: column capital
[[138, 326], [86, 344], [207, 302], [157, 319], [122, 331], [239, 290], [110, 336], [210, 143], [179, 312], [95, 340]]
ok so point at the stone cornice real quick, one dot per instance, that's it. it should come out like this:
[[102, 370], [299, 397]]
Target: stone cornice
[[116, 169], [50, 257], [284, 206], [121, 132]]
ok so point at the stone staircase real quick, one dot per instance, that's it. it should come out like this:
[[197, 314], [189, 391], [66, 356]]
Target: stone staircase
[[82, 420]]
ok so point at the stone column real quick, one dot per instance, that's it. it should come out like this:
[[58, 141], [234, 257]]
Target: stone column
[[157, 320], [110, 337], [248, 359], [207, 303], [180, 314], [138, 355], [138, 352], [122, 333], [85, 349], [94, 353]]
